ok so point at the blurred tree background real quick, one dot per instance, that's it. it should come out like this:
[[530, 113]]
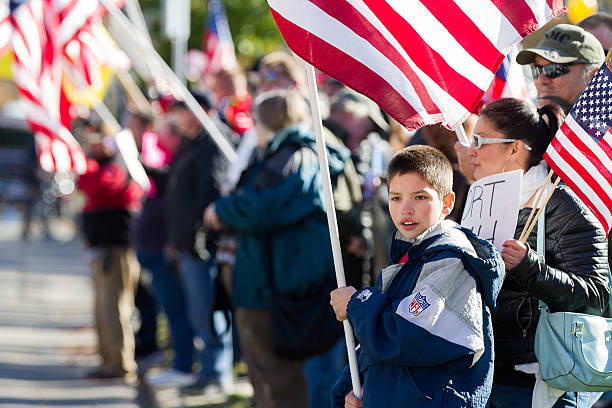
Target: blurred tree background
[[252, 26]]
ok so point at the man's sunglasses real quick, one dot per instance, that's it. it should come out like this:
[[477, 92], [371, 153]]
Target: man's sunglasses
[[478, 141], [551, 71]]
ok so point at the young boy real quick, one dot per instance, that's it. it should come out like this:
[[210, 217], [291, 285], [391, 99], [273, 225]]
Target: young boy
[[425, 329]]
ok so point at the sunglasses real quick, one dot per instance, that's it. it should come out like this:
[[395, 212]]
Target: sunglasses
[[551, 71], [478, 141], [273, 75]]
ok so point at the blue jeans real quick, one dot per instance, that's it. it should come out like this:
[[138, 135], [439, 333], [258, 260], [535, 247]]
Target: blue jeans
[[169, 295], [519, 397], [199, 285], [321, 373]]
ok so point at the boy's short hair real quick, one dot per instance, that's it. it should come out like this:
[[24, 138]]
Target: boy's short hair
[[428, 162]]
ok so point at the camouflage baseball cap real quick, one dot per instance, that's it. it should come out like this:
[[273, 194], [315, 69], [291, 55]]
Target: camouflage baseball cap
[[564, 44], [369, 107]]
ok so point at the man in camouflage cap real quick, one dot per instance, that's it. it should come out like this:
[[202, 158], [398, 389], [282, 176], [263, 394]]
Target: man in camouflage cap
[[563, 63]]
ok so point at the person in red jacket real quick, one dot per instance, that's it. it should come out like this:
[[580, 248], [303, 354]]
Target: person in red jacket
[[110, 197]]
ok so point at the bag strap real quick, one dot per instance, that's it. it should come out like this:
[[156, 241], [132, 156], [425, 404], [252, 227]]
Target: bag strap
[[610, 286]]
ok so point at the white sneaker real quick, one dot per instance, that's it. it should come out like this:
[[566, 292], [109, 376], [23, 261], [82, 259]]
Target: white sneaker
[[170, 378]]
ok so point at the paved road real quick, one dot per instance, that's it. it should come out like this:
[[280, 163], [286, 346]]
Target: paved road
[[47, 344]]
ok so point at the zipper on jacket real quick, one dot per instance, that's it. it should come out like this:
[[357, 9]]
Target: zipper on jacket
[[518, 322]]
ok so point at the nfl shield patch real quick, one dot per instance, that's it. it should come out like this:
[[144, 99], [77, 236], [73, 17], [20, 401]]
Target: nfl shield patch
[[364, 295], [418, 304]]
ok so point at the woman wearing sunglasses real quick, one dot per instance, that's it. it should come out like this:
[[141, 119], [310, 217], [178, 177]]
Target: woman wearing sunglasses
[[512, 134]]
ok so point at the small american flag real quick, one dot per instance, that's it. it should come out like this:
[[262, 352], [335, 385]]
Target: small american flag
[[581, 152], [218, 43], [509, 81], [424, 61]]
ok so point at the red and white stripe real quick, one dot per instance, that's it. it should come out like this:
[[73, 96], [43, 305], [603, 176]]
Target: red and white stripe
[[6, 30], [93, 48], [586, 167], [422, 61], [85, 42], [76, 14], [38, 75]]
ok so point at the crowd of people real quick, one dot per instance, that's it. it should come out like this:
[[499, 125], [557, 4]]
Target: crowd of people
[[221, 241]]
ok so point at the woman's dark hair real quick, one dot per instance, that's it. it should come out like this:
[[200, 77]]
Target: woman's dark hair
[[521, 120]]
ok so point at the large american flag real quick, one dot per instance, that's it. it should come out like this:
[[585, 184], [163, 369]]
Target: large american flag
[[422, 61], [581, 152]]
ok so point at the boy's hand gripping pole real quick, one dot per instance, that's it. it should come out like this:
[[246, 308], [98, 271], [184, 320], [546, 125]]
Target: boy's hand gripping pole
[[331, 220]]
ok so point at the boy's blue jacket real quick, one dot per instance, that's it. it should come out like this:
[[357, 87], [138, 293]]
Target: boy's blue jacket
[[425, 330], [278, 214]]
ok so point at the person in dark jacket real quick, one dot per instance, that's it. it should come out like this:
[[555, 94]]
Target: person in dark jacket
[[149, 240], [141, 124], [193, 183], [110, 197], [278, 215], [574, 276]]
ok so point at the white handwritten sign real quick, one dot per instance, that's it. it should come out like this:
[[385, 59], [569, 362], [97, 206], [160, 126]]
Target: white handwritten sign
[[492, 206], [129, 154]]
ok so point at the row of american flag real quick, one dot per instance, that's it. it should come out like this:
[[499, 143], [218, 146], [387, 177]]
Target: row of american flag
[[423, 62], [46, 37], [52, 38]]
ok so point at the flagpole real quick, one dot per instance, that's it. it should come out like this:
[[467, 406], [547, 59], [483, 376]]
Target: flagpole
[[133, 92], [608, 57], [222, 143], [134, 12], [526, 234], [461, 136], [535, 205], [331, 220]]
